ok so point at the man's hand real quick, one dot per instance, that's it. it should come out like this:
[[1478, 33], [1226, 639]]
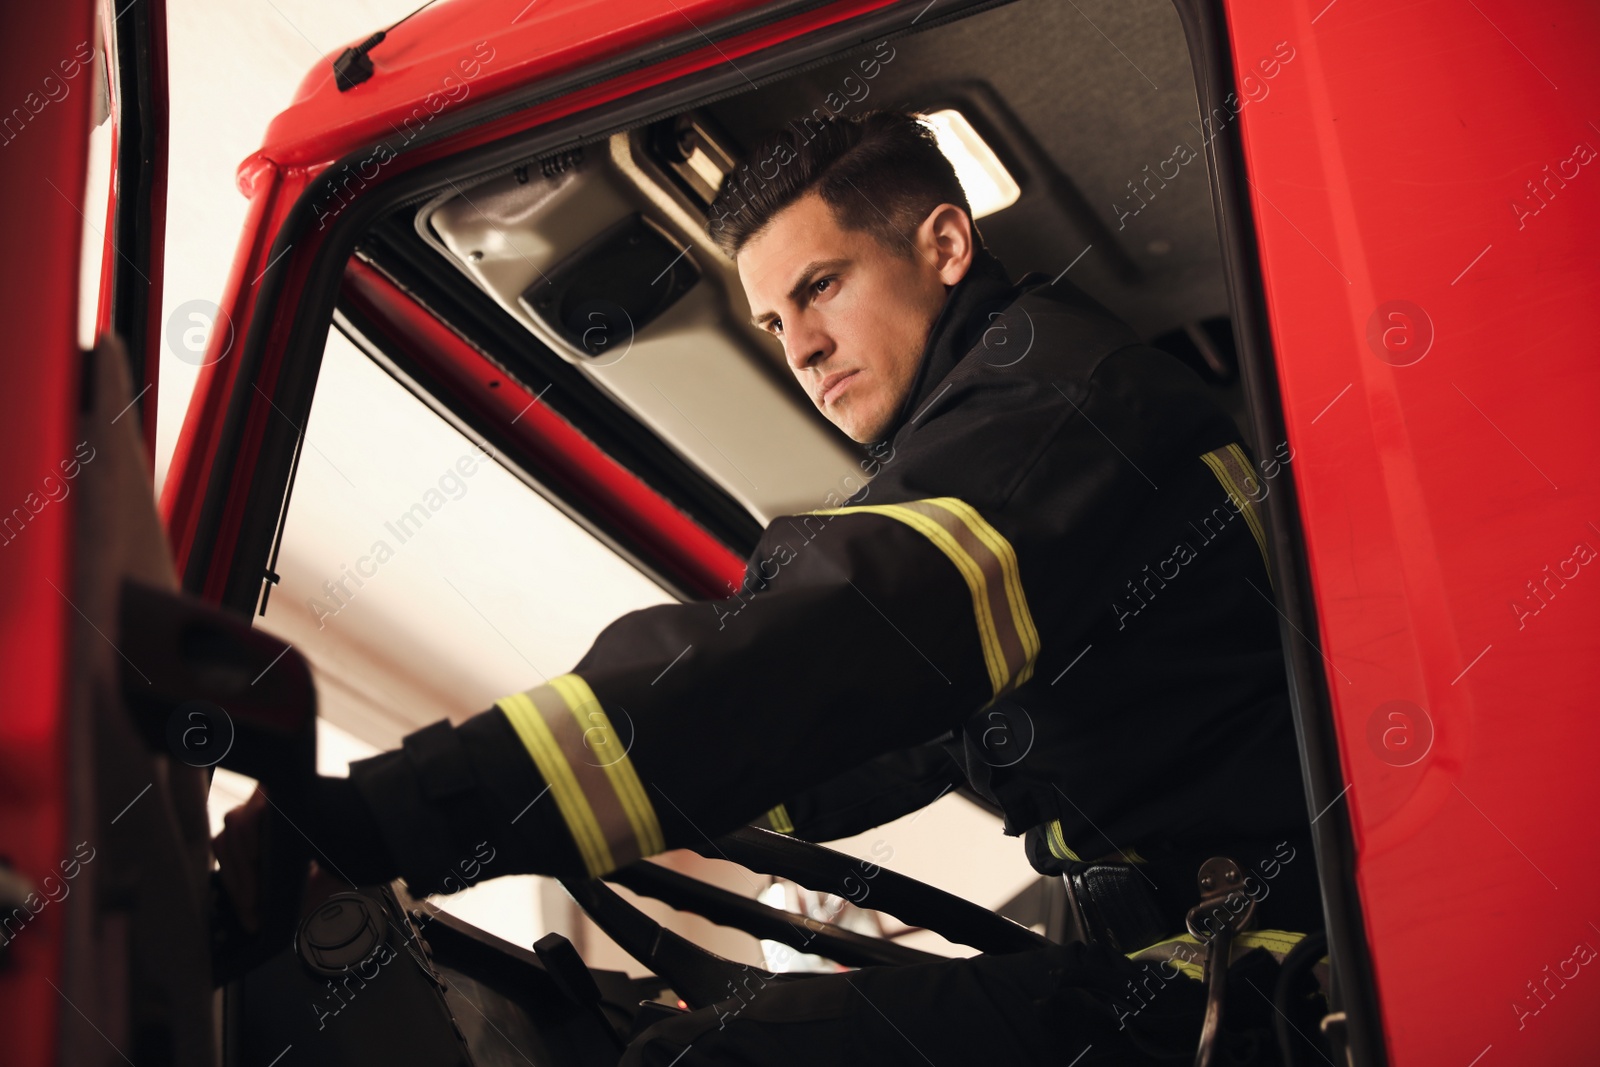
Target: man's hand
[[238, 851]]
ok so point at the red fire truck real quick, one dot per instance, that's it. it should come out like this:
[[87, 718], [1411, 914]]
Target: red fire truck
[[1371, 227]]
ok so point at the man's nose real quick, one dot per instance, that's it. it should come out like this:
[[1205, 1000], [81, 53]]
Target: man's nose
[[804, 345]]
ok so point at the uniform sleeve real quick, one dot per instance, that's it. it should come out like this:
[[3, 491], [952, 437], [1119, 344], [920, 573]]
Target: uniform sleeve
[[879, 791], [860, 630]]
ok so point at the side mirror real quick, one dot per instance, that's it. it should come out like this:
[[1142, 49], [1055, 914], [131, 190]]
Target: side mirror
[[211, 691]]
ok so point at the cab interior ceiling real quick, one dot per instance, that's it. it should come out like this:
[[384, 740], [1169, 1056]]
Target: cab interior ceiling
[[601, 254]]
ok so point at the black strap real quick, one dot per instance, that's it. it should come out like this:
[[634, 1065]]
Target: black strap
[[445, 777]]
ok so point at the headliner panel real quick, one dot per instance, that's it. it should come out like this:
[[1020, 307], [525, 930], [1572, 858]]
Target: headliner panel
[[1078, 101], [1079, 121], [693, 376]]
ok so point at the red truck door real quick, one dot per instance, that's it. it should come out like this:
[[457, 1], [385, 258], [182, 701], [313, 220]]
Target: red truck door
[[85, 812], [1425, 200]]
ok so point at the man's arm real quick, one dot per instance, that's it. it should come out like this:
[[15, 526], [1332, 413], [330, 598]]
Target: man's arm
[[685, 721], [864, 797], [862, 630]]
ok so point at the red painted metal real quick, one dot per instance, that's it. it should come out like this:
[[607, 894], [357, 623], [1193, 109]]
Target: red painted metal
[[45, 167], [108, 250], [432, 65], [1435, 318], [550, 446], [269, 195]]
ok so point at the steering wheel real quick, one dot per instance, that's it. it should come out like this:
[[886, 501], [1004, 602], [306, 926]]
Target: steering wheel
[[701, 977]]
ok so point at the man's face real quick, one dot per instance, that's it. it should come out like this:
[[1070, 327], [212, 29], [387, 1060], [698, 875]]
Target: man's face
[[852, 315]]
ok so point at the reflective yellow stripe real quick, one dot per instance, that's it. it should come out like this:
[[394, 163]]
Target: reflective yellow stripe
[[1242, 474], [1274, 941], [1057, 842], [970, 571], [557, 773], [1232, 468], [778, 819], [1277, 942], [1022, 619], [596, 788], [988, 564], [613, 757]]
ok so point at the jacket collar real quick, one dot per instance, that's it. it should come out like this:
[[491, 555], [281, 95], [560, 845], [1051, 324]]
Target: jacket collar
[[986, 288]]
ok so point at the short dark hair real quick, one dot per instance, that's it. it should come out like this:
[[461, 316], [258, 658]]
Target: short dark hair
[[880, 171]]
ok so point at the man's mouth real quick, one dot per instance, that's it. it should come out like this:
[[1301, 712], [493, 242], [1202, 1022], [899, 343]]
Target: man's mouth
[[833, 385]]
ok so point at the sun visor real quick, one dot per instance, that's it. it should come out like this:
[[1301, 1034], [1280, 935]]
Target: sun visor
[[613, 286]]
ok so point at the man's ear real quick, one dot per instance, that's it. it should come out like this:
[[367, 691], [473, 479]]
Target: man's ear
[[947, 242]]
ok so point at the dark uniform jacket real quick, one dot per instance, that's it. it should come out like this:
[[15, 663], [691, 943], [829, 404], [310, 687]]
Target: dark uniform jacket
[[1054, 585]]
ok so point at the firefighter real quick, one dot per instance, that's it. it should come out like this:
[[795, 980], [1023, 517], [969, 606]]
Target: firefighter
[[1050, 583]]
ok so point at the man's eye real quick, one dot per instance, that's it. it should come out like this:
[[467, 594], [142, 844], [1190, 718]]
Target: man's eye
[[819, 283], [777, 327]]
